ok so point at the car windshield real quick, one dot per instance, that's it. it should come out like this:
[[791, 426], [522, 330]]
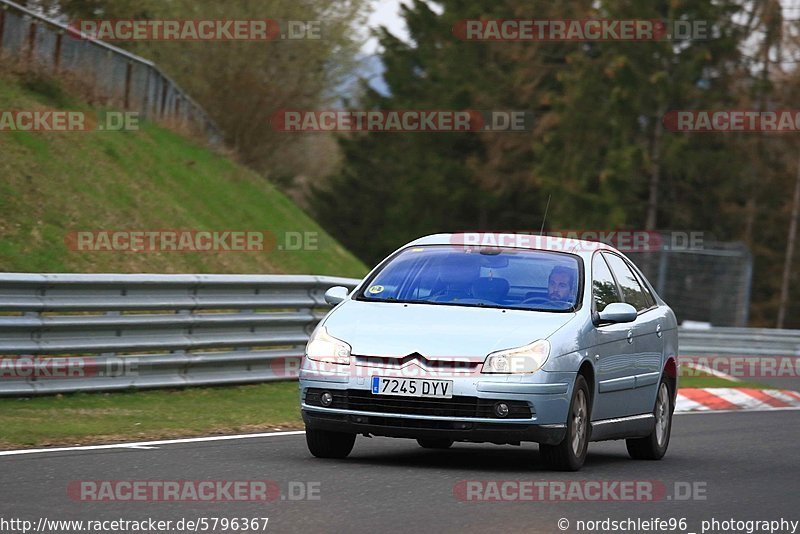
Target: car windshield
[[492, 277]]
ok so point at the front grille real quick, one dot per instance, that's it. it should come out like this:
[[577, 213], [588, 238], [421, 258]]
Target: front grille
[[458, 406], [463, 366]]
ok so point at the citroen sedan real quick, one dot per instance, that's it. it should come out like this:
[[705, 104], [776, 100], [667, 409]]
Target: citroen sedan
[[507, 339]]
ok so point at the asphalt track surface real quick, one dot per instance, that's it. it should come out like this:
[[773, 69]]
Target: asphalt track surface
[[742, 466]]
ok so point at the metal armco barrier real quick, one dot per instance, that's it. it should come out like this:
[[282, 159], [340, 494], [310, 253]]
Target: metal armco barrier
[[102, 332], [739, 342], [119, 331]]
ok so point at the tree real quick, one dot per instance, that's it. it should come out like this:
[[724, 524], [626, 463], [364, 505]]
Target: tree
[[242, 83], [394, 187], [609, 143]]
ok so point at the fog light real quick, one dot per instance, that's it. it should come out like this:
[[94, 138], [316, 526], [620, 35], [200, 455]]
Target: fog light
[[326, 399], [501, 409]]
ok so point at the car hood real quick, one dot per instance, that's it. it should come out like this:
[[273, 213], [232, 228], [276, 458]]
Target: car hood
[[438, 332]]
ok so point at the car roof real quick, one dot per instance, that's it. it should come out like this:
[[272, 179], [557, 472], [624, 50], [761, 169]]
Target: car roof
[[507, 240]]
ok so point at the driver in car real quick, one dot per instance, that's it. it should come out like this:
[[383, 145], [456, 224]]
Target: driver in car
[[561, 284]]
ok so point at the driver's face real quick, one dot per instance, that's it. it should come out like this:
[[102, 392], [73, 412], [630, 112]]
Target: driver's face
[[558, 287]]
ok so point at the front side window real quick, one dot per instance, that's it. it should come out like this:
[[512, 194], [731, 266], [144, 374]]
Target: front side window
[[604, 288], [651, 300], [506, 278], [632, 291]]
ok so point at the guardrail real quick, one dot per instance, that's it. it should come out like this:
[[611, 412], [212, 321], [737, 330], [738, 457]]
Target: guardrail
[[146, 331], [117, 77], [739, 341], [102, 332]]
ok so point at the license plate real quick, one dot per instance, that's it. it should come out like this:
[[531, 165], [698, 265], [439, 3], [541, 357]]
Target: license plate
[[412, 387]]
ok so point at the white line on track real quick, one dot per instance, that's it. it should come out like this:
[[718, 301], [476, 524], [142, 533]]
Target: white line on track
[[151, 444]]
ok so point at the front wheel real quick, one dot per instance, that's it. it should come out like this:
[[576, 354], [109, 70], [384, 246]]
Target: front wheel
[[570, 454], [327, 444], [654, 446]]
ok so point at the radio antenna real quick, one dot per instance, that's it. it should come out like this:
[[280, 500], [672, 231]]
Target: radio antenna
[[547, 207]]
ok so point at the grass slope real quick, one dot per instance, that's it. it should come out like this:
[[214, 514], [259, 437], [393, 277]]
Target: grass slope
[[151, 179]]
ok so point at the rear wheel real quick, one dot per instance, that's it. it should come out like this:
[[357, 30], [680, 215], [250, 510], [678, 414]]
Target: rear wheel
[[570, 454], [435, 443], [327, 444], [654, 446]]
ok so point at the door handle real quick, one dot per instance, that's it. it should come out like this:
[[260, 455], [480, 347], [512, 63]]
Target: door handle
[[630, 336]]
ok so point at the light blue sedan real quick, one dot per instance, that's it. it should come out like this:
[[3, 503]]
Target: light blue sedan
[[499, 338]]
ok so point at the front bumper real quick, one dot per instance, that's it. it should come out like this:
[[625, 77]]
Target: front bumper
[[425, 427], [545, 397]]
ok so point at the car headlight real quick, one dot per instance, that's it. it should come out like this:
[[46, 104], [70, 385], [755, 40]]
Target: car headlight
[[323, 347], [527, 359]]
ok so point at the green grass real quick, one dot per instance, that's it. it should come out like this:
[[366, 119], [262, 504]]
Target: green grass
[[125, 416], [697, 379], [53, 183]]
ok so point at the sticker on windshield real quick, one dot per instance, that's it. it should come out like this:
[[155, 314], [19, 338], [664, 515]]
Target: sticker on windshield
[[376, 289]]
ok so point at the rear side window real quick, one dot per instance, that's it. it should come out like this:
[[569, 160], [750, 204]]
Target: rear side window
[[632, 291], [604, 288]]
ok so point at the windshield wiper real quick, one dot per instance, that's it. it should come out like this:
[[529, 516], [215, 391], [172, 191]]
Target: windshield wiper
[[398, 301]]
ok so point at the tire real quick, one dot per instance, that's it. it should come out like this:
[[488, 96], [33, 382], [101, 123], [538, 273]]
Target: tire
[[654, 446], [435, 443], [327, 444], [570, 454]]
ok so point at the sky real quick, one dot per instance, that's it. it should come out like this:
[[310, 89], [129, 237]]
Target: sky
[[386, 13]]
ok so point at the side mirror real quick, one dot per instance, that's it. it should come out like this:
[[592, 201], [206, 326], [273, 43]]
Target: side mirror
[[335, 295], [617, 312]]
